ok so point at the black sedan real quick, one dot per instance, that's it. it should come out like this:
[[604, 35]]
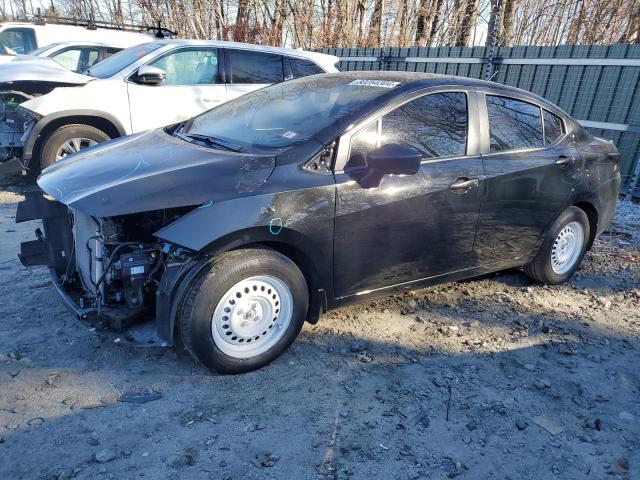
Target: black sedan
[[233, 228]]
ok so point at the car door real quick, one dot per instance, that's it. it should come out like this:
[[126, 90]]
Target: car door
[[409, 227], [528, 175], [193, 84], [249, 70]]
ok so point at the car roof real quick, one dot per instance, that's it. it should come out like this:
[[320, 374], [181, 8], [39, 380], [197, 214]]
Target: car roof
[[320, 57], [410, 81]]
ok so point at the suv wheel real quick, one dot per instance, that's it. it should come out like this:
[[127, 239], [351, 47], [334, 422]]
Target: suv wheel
[[244, 310], [562, 249], [67, 140]]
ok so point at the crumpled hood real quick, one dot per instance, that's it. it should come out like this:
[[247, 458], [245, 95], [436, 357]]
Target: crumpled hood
[[25, 68], [152, 171]]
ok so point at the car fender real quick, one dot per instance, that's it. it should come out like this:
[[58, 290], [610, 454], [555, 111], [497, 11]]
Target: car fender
[[298, 222], [302, 219], [73, 116]]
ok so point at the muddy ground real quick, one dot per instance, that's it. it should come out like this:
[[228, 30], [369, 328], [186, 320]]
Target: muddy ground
[[491, 378]]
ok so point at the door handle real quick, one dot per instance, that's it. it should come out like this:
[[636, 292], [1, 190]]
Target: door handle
[[563, 161], [464, 184]]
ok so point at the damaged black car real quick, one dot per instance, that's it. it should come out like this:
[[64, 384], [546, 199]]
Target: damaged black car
[[230, 230]]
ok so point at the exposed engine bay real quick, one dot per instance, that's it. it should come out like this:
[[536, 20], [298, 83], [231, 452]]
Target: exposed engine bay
[[15, 123], [110, 268]]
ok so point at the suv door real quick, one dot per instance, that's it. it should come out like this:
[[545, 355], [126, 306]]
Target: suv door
[[409, 227], [530, 164], [249, 70], [193, 84]]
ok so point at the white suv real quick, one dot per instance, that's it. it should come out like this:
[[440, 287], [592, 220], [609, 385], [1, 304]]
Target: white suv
[[153, 85]]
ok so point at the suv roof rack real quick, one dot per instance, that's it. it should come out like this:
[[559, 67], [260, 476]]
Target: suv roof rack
[[92, 24]]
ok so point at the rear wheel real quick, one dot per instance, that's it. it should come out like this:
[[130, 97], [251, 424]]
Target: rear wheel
[[562, 249], [67, 140], [244, 310]]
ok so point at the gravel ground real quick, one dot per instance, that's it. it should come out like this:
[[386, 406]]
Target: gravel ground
[[495, 377]]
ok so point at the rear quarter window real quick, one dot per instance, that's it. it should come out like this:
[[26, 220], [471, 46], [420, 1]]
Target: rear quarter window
[[553, 127]]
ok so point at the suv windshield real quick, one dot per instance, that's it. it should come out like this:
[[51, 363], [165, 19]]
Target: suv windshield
[[115, 63], [283, 114]]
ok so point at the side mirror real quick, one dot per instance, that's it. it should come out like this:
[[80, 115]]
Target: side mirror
[[395, 159], [150, 75]]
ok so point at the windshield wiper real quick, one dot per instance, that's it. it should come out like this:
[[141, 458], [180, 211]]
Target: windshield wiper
[[211, 141]]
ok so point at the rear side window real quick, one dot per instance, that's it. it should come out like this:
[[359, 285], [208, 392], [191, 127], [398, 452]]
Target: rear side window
[[513, 124], [303, 68], [18, 40], [553, 127], [246, 66]]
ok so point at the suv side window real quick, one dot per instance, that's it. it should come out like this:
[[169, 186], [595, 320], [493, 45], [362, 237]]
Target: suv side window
[[435, 124], [553, 127], [19, 40], [513, 124], [77, 59], [194, 66], [247, 66], [303, 68]]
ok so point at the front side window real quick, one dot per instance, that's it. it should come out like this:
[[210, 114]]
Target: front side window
[[553, 127], [246, 66], [513, 124], [18, 40], [196, 66], [302, 68], [435, 124]]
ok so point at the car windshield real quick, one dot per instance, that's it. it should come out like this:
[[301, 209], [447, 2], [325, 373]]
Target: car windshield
[[115, 63], [284, 114], [40, 50]]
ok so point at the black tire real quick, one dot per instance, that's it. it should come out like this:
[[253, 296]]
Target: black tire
[[209, 287], [540, 269], [65, 133]]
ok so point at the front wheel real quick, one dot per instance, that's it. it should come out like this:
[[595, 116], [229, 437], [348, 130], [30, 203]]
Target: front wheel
[[563, 248], [67, 140], [244, 310]]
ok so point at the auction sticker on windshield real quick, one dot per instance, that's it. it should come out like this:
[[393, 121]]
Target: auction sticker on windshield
[[375, 83], [290, 134]]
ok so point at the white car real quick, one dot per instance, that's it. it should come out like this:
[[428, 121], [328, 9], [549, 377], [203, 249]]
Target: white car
[[149, 86], [75, 56], [24, 37]]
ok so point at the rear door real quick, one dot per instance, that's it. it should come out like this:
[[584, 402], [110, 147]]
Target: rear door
[[409, 227], [249, 70], [530, 168], [193, 85]]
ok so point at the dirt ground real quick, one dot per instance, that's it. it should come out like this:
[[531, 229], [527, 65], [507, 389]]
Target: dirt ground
[[491, 378]]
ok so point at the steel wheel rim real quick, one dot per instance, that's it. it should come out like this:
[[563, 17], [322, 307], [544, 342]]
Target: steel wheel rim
[[567, 248], [73, 145], [252, 316]]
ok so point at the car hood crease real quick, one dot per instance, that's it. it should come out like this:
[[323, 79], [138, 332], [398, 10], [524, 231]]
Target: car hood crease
[[152, 171]]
